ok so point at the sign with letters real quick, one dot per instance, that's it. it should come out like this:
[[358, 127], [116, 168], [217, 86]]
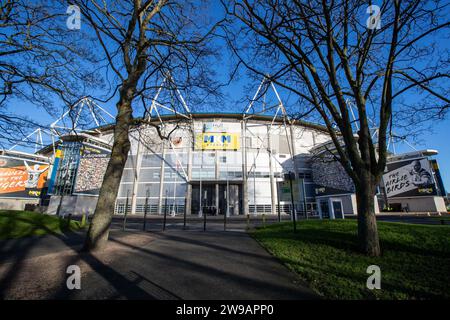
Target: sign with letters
[[412, 177], [214, 127], [22, 178], [217, 141]]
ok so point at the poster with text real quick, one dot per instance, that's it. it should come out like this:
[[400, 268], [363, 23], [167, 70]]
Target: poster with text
[[22, 178], [409, 178]]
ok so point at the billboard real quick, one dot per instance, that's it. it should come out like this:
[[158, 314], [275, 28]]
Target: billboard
[[409, 178], [217, 141], [22, 178], [91, 169]]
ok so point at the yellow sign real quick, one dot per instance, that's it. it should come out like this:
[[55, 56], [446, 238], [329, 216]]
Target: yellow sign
[[217, 141]]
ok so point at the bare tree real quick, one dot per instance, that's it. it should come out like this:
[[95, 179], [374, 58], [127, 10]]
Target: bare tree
[[330, 51], [39, 64], [141, 41]]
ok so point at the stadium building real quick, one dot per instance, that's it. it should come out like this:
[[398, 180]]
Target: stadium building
[[234, 164], [218, 162]]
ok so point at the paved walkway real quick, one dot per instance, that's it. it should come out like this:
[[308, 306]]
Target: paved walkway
[[174, 264]]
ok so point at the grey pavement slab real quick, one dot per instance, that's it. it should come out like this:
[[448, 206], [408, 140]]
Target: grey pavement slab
[[193, 265], [175, 264]]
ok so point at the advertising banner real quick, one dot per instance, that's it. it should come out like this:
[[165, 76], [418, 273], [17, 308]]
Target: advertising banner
[[409, 178], [217, 141], [20, 178], [57, 160], [92, 167]]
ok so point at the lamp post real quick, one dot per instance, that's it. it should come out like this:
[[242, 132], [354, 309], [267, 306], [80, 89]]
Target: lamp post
[[291, 176]]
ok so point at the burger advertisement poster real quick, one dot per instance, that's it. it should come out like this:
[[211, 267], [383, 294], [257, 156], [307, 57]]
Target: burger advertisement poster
[[409, 178], [20, 178]]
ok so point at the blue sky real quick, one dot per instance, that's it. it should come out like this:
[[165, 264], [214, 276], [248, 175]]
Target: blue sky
[[236, 95]]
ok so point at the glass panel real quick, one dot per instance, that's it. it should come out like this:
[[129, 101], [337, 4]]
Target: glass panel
[[67, 170], [126, 190], [128, 175], [175, 189], [171, 159], [205, 173], [153, 189], [171, 174], [151, 160], [149, 175], [209, 158]]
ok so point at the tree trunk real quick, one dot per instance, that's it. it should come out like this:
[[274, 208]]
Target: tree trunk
[[367, 223], [98, 232]]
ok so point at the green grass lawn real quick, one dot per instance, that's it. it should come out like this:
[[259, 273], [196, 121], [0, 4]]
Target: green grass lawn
[[16, 224], [415, 263]]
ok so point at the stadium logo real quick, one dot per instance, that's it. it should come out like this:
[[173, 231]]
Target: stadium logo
[[176, 141]]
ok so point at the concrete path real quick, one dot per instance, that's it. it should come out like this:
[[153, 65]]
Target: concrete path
[[174, 264]]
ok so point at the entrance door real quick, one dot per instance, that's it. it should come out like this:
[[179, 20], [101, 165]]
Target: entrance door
[[324, 209], [233, 199], [208, 199], [337, 209]]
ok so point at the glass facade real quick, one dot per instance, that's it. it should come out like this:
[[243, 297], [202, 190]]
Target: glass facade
[[67, 169], [187, 177]]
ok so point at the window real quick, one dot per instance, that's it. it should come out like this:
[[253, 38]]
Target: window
[[175, 189], [223, 159], [127, 175], [149, 175], [125, 190], [170, 174], [258, 174], [223, 175], [151, 160], [205, 173], [305, 175], [150, 189]]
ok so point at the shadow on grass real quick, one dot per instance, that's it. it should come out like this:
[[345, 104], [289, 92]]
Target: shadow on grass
[[327, 256]]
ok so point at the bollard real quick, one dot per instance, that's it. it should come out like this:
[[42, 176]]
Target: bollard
[[145, 212], [225, 221], [184, 215], [165, 214], [264, 220], [204, 220], [125, 215], [279, 209], [69, 218], [83, 220], [248, 221]]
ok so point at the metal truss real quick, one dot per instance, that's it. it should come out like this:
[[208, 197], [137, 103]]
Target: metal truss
[[280, 111], [58, 128], [97, 114], [375, 130], [36, 138], [156, 106], [156, 109]]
